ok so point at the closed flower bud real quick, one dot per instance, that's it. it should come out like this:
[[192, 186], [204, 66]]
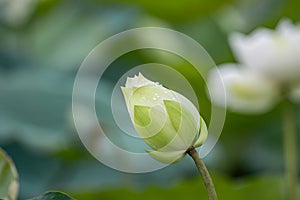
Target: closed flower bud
[[167, 121]]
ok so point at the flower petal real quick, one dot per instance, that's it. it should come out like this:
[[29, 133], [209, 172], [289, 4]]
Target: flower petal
[[127, 92], [142, 115], [138, 81], [202, 134], [189, 106], [175, 113], [246, 92], [271, 53], [159, 133], [182, 121], [166, 157], [149, 121]]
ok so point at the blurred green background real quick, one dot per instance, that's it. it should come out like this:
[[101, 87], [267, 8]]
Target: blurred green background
[[42, 44]]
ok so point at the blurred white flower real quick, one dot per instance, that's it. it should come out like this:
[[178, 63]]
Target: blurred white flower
[[167, 121], [269, 67], [272, 53], [245, 91]]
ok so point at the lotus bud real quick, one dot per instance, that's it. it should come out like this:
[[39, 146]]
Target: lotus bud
[[167, 121]]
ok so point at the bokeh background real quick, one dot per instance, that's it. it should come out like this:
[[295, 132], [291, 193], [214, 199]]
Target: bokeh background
[[42, 44]]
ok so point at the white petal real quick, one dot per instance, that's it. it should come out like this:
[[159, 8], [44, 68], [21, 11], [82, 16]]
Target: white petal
[[287, 29], [272, 53], [127, 92], [245, 91], [167, 157], [138, 81], [247, 49]]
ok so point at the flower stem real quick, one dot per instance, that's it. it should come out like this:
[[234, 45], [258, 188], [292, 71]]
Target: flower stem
[[209, 185], [290, 148]]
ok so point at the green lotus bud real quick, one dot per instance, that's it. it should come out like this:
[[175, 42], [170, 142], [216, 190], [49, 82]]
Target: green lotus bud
[[167, 121]]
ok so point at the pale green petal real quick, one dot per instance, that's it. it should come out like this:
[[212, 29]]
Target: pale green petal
[[142, 115], [203, 134], [183, 122], [189, 106], [166, 157], [149, 121], [166, 136], [167, 139], [150, 95], [160, 133], [175, 144], [175, 113]]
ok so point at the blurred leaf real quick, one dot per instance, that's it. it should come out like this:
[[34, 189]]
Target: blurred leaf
[[40, 120], [69, 32], [179, 11], [9, 185], [53, 196], [291, 9], [260, 188]]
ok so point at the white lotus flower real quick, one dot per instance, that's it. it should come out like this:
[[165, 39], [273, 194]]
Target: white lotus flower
[[167, 121], [274, 54], [269, 67], [245, 91]]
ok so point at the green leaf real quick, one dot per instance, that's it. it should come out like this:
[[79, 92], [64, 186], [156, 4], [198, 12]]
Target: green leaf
[[53, 196], [9, 185]]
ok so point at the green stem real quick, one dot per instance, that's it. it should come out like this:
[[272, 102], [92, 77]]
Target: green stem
[[290, 148], [209, 185]]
